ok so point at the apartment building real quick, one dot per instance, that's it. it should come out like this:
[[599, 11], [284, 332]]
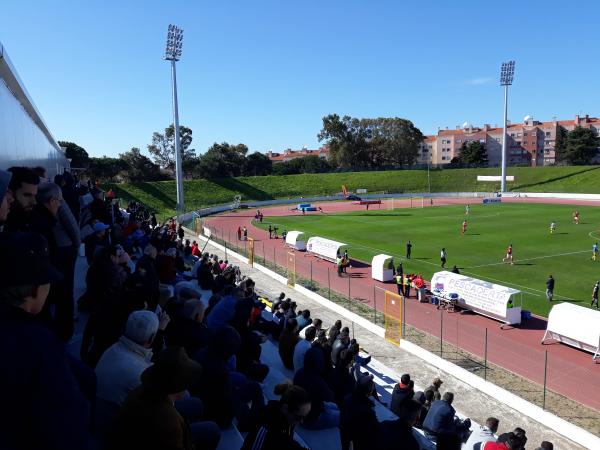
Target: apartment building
[[530, 142]]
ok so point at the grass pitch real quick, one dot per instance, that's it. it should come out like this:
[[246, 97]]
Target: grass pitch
[[566, 254]]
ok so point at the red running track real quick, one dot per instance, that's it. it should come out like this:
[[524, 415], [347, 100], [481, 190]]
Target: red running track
[[571, 372]]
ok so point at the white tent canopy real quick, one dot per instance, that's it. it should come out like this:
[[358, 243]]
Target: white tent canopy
[[295, 239], [324, 248], [483, 297], [576, 326]]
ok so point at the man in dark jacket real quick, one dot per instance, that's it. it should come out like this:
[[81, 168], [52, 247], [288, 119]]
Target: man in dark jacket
[[42, 404], [392, 432], [324, 413], [442, 418], [358, 421], [550, 288], [402, 391], [23, 186]]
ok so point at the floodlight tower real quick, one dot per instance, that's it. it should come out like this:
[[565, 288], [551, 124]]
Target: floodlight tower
[[507, 73], [173, 54]]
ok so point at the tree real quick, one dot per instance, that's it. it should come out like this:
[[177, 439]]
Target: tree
[[304, 164], [370, 143], [560, 144], [162, 148], [105, 168], [581, 146], [473, 154], [258, 164], [139, 167], [78, 155], [222, 161]]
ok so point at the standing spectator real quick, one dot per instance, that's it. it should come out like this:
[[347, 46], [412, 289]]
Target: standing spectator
[[270, 232], [6, 196], [436, 384], [68, 240], [148, 419], [358, 421], [550, 288], [485, 433], [153, 221], [324, 413], [443, 257], [277, 421], [408, 250], [95, 240], [36, 380], [400, 283], [239, 233], [402, 392], [391, 432], [24, 186], [121, 366], [342, 381], [302, 347], [339, 262], [245, 232], [180, 232]]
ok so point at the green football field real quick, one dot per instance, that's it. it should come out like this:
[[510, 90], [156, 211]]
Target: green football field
[[566, 254]]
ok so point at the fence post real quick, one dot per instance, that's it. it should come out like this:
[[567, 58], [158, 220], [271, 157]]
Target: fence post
[[485, 356], [225, 245], [311, 271], [264, 256], [545, 377], [274, 262], [374, 306], [328, 285], [245, 253], [441, 332], [404, 316], [348, 288]]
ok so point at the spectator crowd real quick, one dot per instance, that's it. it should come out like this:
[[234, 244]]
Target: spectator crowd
[[171, 343]]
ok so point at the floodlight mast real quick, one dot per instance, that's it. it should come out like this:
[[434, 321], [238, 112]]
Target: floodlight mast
[[507, 73], [173, 54]]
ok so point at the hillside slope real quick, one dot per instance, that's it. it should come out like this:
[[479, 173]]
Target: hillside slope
[[201, 193]]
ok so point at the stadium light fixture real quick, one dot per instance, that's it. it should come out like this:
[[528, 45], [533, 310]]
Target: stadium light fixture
[[507, 73], [173, 54]]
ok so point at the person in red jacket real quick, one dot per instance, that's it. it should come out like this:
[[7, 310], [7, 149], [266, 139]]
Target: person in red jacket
[[513, 442], [196, 250]]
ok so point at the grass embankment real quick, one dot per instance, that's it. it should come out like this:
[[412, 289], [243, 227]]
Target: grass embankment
[[566, 254], [202, 193]]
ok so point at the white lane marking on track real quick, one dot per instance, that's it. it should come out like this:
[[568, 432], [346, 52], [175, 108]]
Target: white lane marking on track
[[529, 259]]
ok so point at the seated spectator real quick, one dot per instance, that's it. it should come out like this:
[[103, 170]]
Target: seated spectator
[[545, 445], [121, 366], [277, 302], [402, 392], [277, 421], [167, 271], [148, 419], [342, 379], [304, 319], [187, 329], [302, 347], [485, 433], [358, 421], [95, 240], [324, 413], [317, 324], [341, 342], [425, 399], [435, 387], [448, 441], [518, 432], [43, 405], [442, 418], [391, 432], [512, 441], [287, 343]]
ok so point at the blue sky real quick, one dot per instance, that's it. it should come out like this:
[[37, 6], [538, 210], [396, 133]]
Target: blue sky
[[265, 72]]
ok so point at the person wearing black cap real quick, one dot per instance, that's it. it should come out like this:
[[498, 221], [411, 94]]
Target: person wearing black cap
[[41, 402], [148, 419]]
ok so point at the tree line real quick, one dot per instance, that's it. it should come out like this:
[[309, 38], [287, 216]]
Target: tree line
[[354, 144]]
